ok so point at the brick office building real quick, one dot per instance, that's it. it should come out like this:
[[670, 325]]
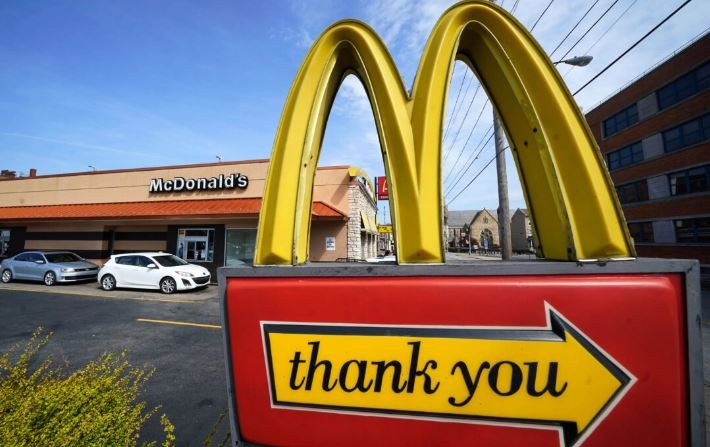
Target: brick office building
[[655, 137]]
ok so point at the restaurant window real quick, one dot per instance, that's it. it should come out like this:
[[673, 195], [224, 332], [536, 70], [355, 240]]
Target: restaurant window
[[4, 242], [239, 246], [196, 244]]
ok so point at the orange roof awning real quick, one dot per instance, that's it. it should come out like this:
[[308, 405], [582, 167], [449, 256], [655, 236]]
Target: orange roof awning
[[152, 209]]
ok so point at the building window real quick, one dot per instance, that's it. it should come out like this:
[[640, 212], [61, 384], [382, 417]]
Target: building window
[[633, 192], [4, 242], [687, 134], [693, 230], [625, 156], [621, 120], [196, 244], [487, 239], [684, 87], [641, 231], [690, 180], [239, 246]]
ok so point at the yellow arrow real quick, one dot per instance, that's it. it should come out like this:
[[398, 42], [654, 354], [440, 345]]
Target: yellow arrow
[[547, 376]]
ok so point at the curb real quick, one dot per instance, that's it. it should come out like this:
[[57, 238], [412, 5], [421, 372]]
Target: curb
[[92, 289]]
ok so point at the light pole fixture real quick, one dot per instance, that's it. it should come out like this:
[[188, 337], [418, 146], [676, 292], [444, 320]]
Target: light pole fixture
[[93, 168], [219, 158], [578, 61]]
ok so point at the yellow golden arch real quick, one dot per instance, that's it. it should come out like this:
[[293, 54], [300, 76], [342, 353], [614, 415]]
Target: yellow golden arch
[[570, 198]]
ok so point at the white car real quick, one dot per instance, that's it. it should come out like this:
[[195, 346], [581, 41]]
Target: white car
[[386, 258], [162, 271]]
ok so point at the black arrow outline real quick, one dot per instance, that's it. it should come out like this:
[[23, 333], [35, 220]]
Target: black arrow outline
[[557, 328]]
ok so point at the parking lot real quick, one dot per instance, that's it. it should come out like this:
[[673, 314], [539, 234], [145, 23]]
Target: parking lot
[[179, 335], [92, 288]]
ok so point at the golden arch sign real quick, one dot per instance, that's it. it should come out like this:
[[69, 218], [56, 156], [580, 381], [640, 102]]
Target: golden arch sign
[[569, 194], [523, 353]]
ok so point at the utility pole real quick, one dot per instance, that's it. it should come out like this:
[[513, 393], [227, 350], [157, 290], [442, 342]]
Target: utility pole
[[506, 250]]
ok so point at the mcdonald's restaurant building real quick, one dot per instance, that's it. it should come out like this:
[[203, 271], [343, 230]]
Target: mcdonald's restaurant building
[[207, 214]]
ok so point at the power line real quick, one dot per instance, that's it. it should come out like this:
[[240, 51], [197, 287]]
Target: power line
[[463, 120], [477, 175], [469, 163], [515, 6], [573, 28], [632, 47], [589, 29], [613, 24], [463, 148], [456, 103], [543, 13]]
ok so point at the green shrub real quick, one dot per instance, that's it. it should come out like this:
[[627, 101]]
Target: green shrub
[[94, 406]]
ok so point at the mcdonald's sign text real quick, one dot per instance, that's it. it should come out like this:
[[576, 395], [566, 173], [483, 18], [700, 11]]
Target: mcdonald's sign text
[[382, 192]]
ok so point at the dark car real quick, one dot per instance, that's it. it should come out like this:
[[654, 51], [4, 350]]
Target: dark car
[[49, 267]]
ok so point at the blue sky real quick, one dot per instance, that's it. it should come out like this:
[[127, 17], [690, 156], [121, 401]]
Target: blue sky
[[129, 84]]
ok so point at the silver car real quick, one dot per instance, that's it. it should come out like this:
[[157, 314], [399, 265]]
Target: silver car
[[49, 267]]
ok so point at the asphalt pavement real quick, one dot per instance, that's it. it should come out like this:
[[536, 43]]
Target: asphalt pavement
[[92, 288], [178, 336]]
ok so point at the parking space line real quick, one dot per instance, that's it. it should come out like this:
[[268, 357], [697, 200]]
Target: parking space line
[[179, 323]]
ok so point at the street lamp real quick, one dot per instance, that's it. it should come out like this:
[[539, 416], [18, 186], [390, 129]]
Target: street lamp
[[578, 61]]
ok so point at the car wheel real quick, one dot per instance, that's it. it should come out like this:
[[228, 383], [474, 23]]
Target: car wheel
[[6, 276], [108, 282], [167, 285], [50, 278]]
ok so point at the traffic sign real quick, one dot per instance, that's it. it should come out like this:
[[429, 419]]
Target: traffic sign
[[384, 228]]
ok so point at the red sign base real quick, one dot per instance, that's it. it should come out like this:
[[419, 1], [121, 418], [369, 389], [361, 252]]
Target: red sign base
[[415, 356]]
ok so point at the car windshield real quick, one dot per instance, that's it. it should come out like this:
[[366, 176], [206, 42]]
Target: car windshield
[[62, 257], [169, 260]]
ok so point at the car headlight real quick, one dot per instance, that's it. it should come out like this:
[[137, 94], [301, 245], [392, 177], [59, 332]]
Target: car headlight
[[185, 274], [67, 269]]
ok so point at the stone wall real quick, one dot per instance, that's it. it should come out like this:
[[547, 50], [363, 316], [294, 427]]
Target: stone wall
[[361, 244]]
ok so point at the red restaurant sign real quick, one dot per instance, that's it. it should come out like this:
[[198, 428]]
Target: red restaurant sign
[[411, 358], [382, 192]]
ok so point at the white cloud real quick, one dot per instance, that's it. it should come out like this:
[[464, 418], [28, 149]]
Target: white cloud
[[404, 26]]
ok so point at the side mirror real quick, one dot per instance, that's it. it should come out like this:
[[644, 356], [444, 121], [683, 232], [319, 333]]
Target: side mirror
[[39, 261], [152, 266]]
